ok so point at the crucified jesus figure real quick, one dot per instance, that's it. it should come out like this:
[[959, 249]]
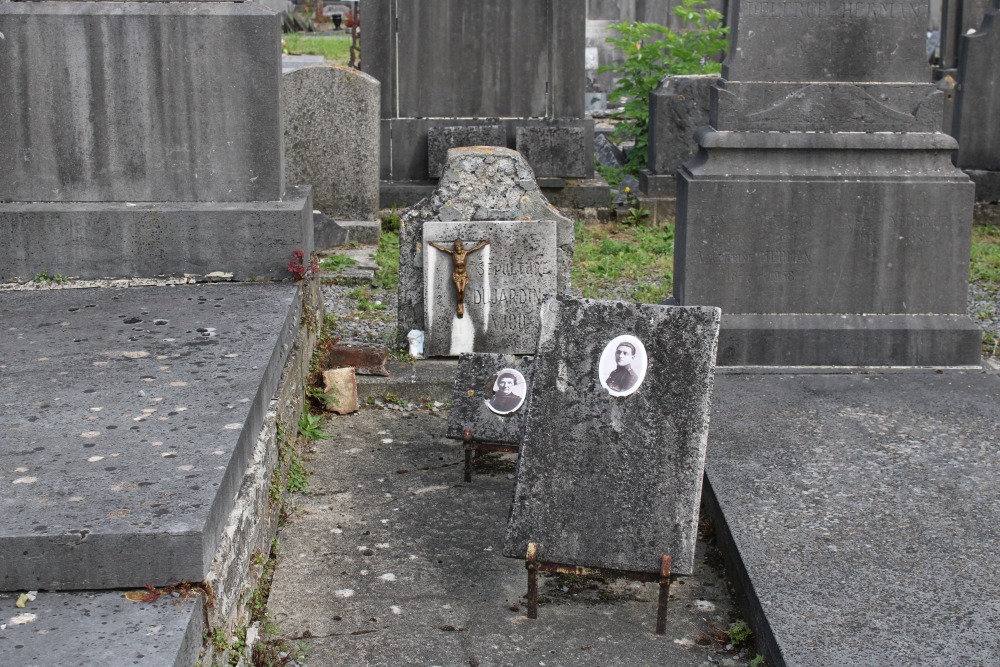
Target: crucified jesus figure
[[460, 276]]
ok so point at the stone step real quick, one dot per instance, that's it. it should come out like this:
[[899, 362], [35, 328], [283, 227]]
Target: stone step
[[129, 416], [101, 628], [362, 272], [859, 514]]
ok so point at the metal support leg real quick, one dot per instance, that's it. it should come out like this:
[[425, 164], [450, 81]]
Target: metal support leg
[[661, 606], [530, 562]]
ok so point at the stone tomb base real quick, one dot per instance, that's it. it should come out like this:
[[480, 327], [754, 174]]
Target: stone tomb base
[[828, 249], [118, 239]]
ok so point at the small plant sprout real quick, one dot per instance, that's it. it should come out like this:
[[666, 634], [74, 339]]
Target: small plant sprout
[[310, 427]]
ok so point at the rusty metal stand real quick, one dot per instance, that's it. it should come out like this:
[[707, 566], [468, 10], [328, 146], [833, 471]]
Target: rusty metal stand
[[472, 448], [664, 577]]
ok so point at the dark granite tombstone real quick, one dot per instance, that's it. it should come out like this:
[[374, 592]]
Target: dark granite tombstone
[[977, 107], [470, 399], [822, 212], [129, 148], [609, 475], [451, 63]]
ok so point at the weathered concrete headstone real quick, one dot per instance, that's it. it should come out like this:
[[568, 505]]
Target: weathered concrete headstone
[[822, 213], [509, 269], [475, 382], [448, 63], [977, 107], [479, 183], [331, 116], [130, 149], [610, 466], [556, 151]]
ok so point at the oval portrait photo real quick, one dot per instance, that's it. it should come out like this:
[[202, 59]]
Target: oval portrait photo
[[623, 365], [506, 391]]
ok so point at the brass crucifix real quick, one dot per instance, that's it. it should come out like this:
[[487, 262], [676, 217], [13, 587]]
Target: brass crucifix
[[460, 276]]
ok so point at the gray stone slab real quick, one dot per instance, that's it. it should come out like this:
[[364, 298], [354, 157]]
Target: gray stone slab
[[790, 40], [331, 121], [678, 107], [863, 511], [507, 279], [479, 184], [768, 230], [474, 387], [405, 141], [562, 152], [788, 339], [442, 139], [120, 101], [251, 240], [101, 629], [612, 479], [987, 185], [327, 233], [977, 99], [292, 63], [827, 107], [130, 415]]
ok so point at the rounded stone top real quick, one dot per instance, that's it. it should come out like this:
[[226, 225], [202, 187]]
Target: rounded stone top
[[485, 183]]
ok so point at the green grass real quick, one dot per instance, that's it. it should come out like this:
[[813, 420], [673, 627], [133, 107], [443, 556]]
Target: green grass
[[333, 49], [985, 266], [337, 262], [633, 263], [387, 258]]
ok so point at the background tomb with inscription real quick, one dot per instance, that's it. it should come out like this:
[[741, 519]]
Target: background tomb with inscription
[[478, 183], [509, 268], [822, 212], [458, 73], [613, 479], [977, 106]]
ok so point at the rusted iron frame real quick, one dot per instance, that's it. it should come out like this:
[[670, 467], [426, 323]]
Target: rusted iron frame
[[471, 446], [664, 577]]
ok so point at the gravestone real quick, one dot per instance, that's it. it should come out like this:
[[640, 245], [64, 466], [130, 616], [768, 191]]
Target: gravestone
[[677, 108], [822, 212], [479, 183], [332, 139], [510, 268], [958, 17], [452, 63], [440, 140], [609, 472], [977, 107], [475, 380], [131, 149]]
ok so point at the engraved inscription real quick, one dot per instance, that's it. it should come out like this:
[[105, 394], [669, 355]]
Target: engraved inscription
[[759, 257], [847, 10]]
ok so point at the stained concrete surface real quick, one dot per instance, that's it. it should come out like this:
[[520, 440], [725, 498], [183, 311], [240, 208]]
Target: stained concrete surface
[[391, 559], [128, 418], [864, 514], [100, 629]]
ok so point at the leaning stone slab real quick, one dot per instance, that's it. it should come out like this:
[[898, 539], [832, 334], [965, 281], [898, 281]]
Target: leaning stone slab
[[470, 408], [332, 138], [507, 279], [479, 183], [610, 466]]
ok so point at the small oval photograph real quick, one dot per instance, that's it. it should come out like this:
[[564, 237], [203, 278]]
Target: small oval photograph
[[623, 365], [507, 392]]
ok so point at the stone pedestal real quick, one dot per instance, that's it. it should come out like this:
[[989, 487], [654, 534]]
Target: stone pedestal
[[822, 212], [141, 139]]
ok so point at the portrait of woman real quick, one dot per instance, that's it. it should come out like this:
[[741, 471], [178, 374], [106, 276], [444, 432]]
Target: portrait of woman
[[506, 391]]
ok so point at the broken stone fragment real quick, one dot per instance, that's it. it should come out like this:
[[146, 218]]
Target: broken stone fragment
[[341, 386]]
